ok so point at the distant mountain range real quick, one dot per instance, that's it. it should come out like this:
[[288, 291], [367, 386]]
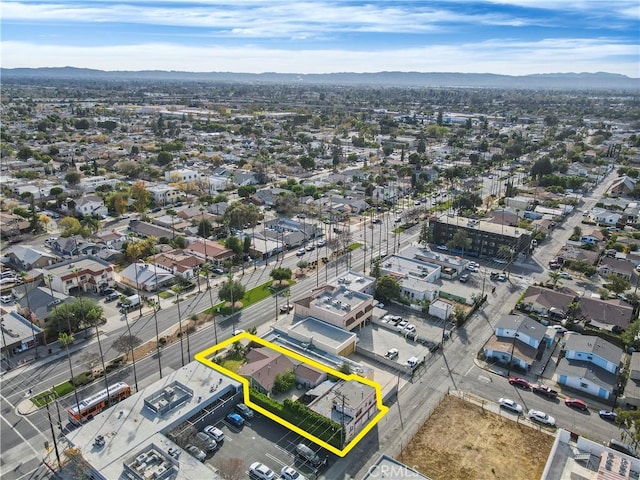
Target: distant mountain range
[[552, 81]]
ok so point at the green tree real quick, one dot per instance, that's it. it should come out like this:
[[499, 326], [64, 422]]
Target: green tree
[[280, 274], [541, 167], [73, 178], [71, 226], [238, 214], [284, 382], [554, 278], [141, 197], [388, 288], [205, 228], [231, 291], [246, 247], [245, 191], [234, 244], [164, 158], [617, 284], [460, 241]]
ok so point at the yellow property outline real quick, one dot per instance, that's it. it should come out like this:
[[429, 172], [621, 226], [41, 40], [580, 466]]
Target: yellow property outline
[[202, 357]]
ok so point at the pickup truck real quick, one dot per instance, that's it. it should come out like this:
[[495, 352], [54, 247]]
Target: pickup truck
[[544, 390]]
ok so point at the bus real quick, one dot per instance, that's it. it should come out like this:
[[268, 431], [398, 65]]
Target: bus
[[96, 403]]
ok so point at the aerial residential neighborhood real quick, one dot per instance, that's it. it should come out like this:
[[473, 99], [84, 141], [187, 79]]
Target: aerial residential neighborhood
[[350, 272]]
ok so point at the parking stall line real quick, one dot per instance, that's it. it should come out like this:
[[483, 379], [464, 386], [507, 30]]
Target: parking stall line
[[276, 459]]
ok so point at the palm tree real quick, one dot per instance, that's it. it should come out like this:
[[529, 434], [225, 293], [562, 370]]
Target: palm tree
[[124, 310], [172, 213], [155, 304], [178, 289], [22, 276], [554, 278], [66, 340], [206, 269]]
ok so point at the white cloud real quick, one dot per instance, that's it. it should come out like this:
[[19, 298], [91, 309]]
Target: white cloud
[[498, 56], [275, 19]]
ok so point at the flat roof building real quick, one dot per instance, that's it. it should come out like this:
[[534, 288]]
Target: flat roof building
[[485, 238]]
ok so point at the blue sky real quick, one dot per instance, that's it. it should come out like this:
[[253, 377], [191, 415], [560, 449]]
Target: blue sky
[[513, 37]]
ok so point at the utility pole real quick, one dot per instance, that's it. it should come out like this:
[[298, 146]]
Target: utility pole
[[53, 434]]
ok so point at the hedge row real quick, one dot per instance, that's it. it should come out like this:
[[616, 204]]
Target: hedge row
[[302, 417]]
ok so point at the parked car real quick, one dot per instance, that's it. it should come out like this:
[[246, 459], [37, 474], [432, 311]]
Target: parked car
[[310, 248], [519, 382], [544, 390], [411, 328], [196, 452], [301, 252], [566, 276], [235, 420], [402, 324], [560, 329], [245, 411], [509, 404], [6, 298], [576, 403], [207, 440], [112, 296], [541, 417], [391, 353], [261, 471], [107, 291], [7, 280], [464, 278], [286, 308], [502, 277], [321, 243], [218, 271], [444, 248], [214, 432], [472, 268], [289, 473], [608, 415]]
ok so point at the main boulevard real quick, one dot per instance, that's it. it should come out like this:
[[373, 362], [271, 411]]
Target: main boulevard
[[454, 368]]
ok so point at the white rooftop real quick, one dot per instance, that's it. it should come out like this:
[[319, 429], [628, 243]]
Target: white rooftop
[[132, 428]]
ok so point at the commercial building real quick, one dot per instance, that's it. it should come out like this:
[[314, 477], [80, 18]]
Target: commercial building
[[485, 238], [140, 434]]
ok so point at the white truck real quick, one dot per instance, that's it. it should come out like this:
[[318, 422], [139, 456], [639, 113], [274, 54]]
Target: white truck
[[130, 302]]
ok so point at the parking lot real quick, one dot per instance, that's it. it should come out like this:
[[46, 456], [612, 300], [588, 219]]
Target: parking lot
[[263, 440], [378, 339]]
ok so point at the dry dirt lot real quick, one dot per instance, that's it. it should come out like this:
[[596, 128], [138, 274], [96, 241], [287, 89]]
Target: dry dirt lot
[[461, 441]]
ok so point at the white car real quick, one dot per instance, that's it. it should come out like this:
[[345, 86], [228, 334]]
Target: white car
[[6, 280], [566, 276], [261, 471], [289, 473], [510, 405], [301, 252], [6, 298], [541, 417], [214, 432], [402, 324], [472, 268], [321, 243], [411, 328]]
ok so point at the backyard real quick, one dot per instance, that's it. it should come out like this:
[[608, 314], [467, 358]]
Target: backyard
[[462, 441]]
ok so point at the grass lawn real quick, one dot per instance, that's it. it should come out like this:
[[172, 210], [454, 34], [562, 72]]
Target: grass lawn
[[165, 294], [354, 246], [250, 297], [232, 365], [42, 398]]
